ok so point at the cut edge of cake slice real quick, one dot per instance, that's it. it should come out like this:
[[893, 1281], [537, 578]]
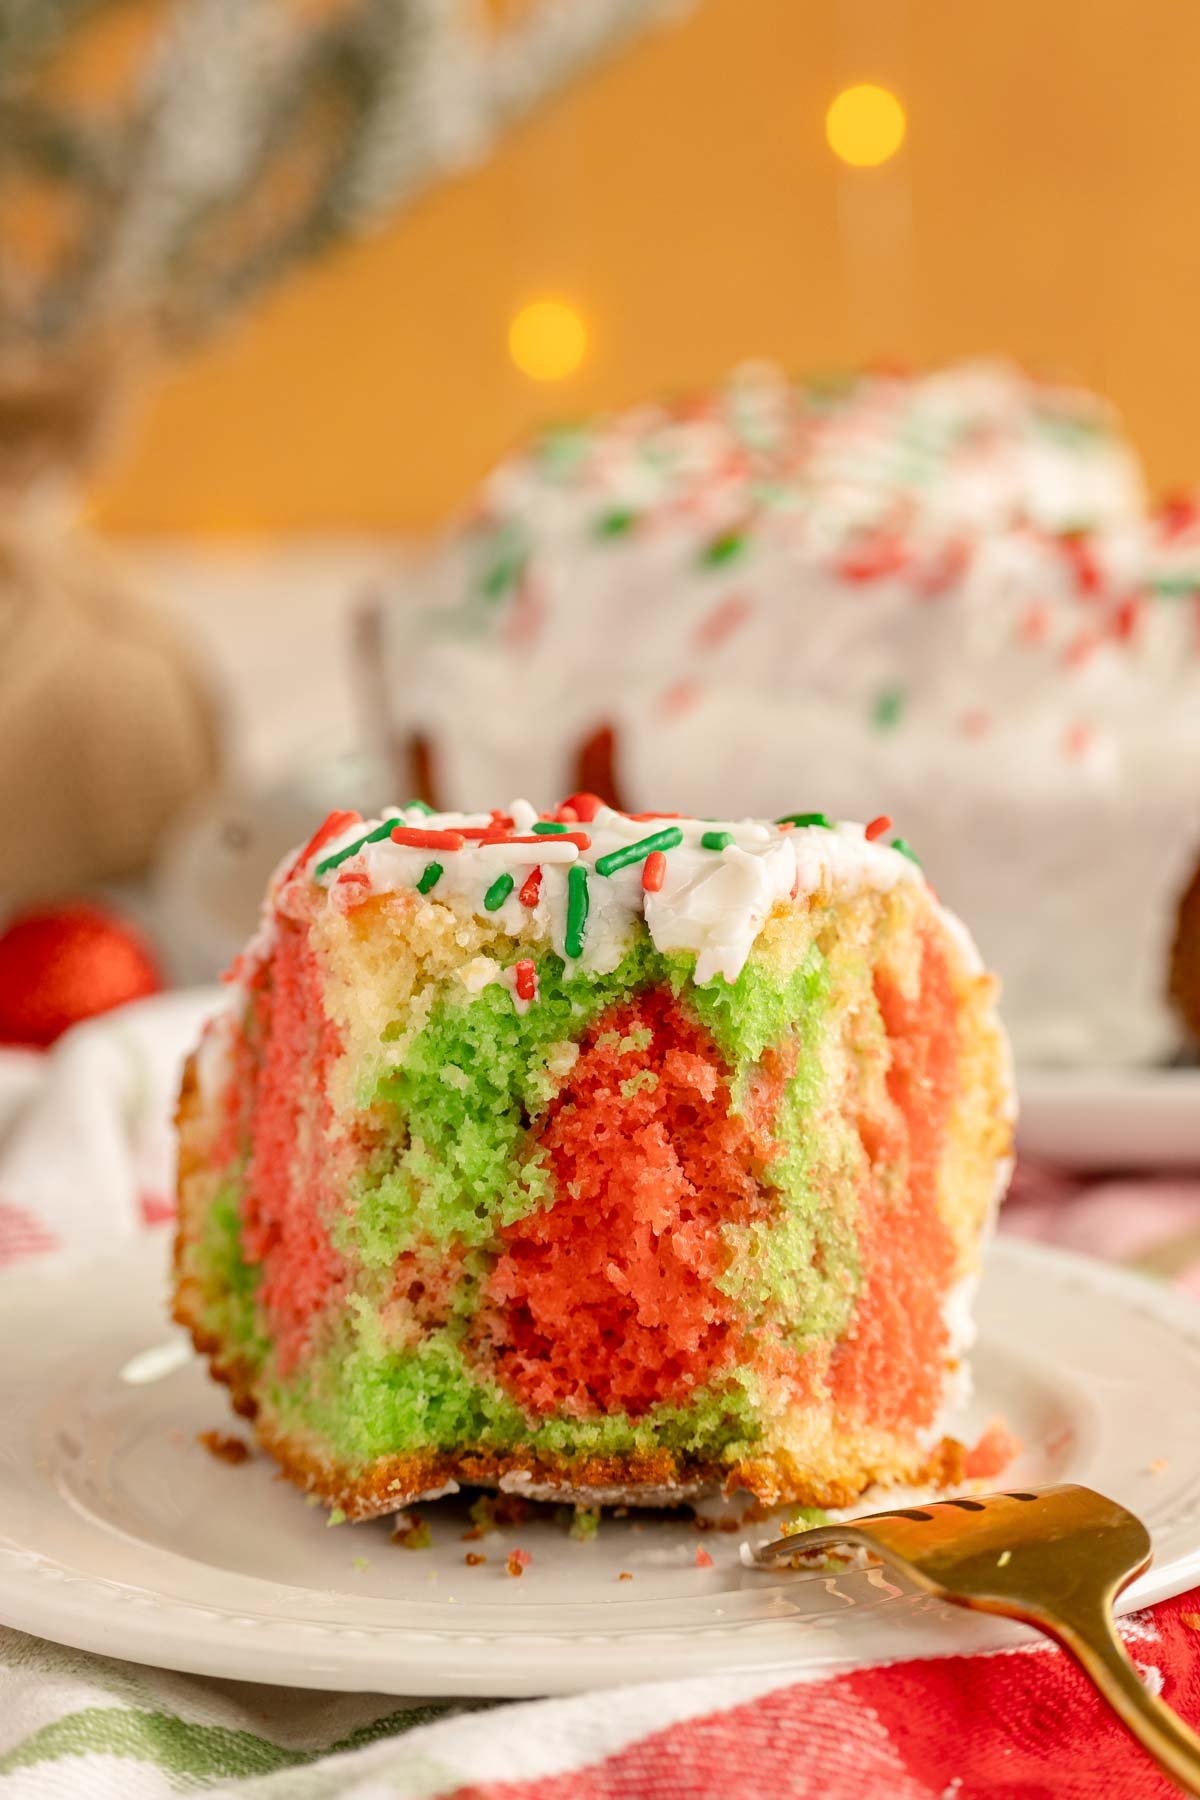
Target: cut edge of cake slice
[[596, 1158]]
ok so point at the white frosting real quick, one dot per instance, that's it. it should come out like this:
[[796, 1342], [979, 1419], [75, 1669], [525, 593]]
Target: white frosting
[[866, 604], [713, 902]]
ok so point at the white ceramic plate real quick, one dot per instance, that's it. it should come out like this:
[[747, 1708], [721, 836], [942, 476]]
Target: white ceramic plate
[[119, 1533], [1111, 1118]]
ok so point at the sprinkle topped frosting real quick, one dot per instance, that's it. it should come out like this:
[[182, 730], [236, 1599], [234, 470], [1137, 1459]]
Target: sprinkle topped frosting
[[907, 547], [581, 875], [942, 597]]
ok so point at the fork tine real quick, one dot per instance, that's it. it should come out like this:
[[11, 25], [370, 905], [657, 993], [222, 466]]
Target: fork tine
[[1055, 1559]]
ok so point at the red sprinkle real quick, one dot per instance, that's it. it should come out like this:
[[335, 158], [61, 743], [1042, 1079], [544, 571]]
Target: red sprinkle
[[992, 1454], [531, 887], [703, 1559], [335, 824], [877, 827], [945, 571], [1089, 577], [680, 698], [566, 815], [427, 840], [1080, 650], [526, 983], [1178, 514], [641, 817], [879, 554], [654, 872], [1126, 617], [582, 806], [1035, 625], [518, 1561], [727, 618], [580, 839]]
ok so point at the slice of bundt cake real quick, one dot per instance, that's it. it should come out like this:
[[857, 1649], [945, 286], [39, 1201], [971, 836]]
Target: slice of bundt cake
[[595, 1156]]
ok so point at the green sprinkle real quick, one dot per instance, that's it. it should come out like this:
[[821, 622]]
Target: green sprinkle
[[820, 819], [507, 569], [577, 908], [616, 523], [417, 806], [430, 878], [498, 893], [336, 1517], [549, 828], [888, 708], [1176, 587], [723, 549], [341, 856], [1070, 428], [563, 448], [906, 849], [670, 839], [716, 840]]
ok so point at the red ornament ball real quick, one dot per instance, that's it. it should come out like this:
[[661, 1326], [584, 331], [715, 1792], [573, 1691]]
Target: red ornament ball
[[62, 964]]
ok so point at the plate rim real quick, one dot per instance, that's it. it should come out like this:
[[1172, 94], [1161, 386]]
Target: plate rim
[[143, 1627], [1081, 1119]]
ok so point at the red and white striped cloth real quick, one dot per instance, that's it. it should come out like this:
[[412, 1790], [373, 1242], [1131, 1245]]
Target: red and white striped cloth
[[85, 1157], [1016, 1725]]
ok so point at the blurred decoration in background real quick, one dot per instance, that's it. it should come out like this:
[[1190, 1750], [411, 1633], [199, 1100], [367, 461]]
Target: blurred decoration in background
[[64, 964], [230, 138], [161, 161], [865, 125], [685, 201], [547, 340]]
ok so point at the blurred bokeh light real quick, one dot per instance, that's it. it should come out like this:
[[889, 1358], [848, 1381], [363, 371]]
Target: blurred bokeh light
[[547, 340], [865, 125]]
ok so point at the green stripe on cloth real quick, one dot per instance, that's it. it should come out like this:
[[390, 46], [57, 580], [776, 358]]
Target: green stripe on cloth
[[198, 1753], [405, 1720]]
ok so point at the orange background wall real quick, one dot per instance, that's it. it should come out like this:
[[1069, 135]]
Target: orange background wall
[[684, 199]]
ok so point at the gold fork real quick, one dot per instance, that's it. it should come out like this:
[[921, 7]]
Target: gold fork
[[1055, 1559]]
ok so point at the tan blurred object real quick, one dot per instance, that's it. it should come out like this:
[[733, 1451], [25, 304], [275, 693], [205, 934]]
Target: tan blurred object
[[106, 729], [56, 412]]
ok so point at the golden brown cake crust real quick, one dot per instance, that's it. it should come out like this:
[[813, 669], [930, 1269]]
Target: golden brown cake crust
[[658, 1479]]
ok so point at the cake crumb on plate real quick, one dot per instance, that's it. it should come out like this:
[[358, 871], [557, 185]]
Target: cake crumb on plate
[[225, 1447]]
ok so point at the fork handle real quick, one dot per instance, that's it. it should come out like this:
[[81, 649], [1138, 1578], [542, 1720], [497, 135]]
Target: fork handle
[[1091, 1638]]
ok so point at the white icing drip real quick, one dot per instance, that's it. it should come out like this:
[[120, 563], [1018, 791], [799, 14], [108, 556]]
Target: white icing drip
[[713, 902]]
